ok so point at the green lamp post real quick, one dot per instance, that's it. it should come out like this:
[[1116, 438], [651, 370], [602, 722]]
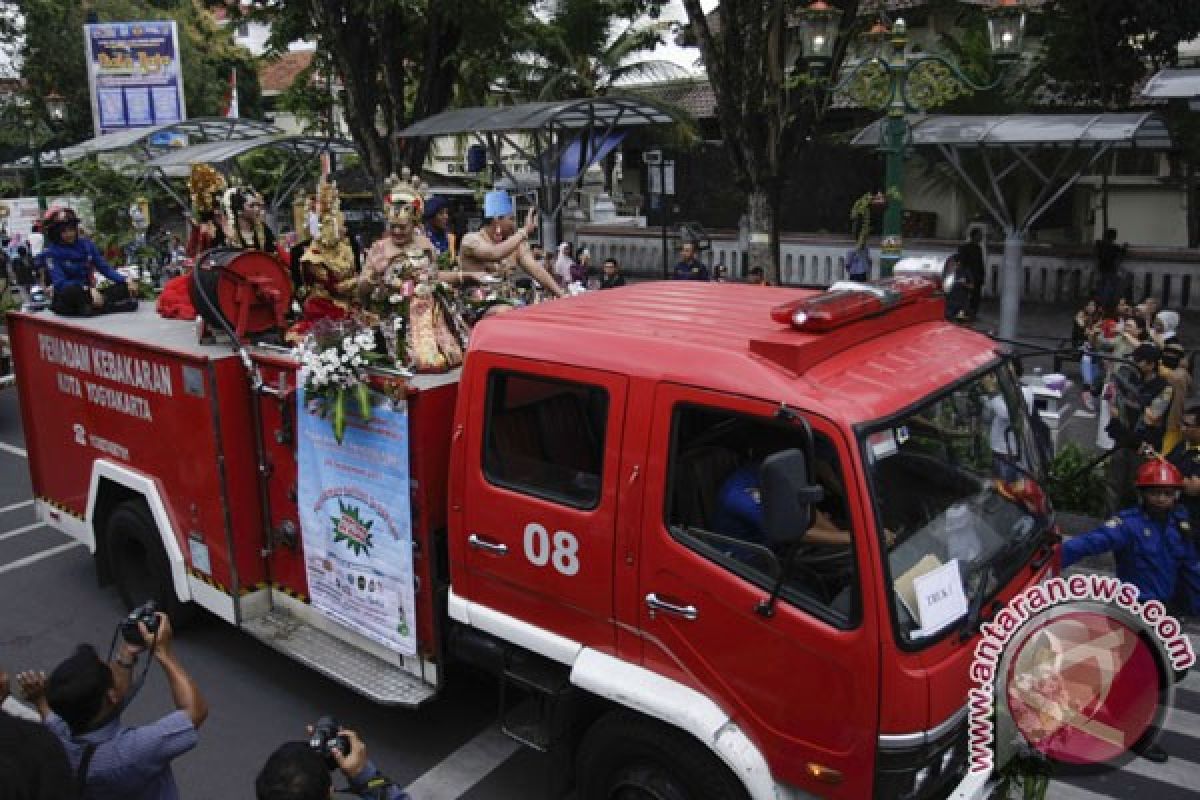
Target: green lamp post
[[39, 134], [1006, 29]]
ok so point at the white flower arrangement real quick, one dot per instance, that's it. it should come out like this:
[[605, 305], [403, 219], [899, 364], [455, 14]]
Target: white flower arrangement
[[333, 364]]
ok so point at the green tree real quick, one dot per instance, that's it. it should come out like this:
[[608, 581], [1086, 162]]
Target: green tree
[[1096, 53], [765, 110], [586, 47], [397, 61]]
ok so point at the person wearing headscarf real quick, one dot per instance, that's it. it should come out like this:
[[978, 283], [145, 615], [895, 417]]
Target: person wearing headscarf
[[436, 219], [1166, 328], [564, 265]]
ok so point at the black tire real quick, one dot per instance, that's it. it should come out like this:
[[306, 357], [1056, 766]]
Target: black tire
[[138, 563], [626, 756]]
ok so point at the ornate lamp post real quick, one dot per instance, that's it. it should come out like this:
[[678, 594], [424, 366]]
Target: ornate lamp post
[[56, 112], [895, 96]]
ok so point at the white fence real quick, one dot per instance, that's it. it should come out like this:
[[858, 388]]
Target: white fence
[[1051, 274]]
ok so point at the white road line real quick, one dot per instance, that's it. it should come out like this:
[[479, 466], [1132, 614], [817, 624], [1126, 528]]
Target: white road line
[[465, 767], [1185, 722], [36, 557], [13, 449], [15, 506], [21, 530]]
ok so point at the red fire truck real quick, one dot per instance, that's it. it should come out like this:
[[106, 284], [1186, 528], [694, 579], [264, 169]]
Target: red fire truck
[[682, 523]]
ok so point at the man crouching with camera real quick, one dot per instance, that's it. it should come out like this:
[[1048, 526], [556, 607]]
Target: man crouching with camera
[[84, 696], [301, 770]]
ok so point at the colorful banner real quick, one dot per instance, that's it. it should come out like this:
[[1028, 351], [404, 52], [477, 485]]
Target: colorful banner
[[135, 75], [356, 523]]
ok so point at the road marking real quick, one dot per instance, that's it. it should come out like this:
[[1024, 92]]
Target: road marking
[[15, 506], [12, 448], [1065, 791], [19, 531], [36, 557], [465, 767]]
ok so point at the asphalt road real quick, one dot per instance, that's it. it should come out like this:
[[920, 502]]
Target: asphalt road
[[258, 698]]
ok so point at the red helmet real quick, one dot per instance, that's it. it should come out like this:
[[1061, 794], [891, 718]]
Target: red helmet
[[1158, 473]]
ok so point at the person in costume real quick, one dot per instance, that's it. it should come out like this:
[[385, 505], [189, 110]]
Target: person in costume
[[436, 218], [245, 228], [72, 262], [499, 248], [205, 186], [328, 263], [400, 283]]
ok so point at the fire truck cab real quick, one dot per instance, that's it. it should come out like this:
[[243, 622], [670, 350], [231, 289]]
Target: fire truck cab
[[684, 524]]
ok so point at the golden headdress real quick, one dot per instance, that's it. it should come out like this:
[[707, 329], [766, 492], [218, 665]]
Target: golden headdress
[[405, 198], [329, 207], [205, 185]]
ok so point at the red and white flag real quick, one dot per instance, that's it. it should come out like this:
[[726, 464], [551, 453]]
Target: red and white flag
[[231, 106]]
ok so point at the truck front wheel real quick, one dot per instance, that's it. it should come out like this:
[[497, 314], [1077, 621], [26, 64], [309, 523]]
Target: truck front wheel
[[626, 756], [138, 563]]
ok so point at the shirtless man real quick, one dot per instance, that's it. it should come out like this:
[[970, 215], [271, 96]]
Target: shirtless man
[[498, 248]]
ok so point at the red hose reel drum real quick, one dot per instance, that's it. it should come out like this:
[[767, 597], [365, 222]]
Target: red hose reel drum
[[250, 289]]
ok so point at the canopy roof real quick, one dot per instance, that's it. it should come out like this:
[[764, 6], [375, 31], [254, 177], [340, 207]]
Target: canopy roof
[[1142, 130], [613, 111], [144, 143], [177, 162], [1173, 83]]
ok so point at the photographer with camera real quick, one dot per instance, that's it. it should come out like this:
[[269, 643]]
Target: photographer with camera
[[301, 770], [83, 699]]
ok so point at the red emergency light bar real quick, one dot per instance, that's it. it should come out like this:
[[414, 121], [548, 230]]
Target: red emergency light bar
[[846, 301]]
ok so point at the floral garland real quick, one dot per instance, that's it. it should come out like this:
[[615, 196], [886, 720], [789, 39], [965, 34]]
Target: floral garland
[[334, 357]]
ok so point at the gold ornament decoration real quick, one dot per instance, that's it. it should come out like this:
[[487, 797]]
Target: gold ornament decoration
[[205, 186]]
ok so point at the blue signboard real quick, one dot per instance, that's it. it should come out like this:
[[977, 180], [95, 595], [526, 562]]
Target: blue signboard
[[135, 75]]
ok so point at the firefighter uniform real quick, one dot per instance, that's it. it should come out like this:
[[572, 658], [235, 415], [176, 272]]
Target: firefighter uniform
[[1158, 557], [1186, 458]]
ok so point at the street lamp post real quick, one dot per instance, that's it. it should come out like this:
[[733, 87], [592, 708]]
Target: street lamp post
[[1006, 27], [56, 111]]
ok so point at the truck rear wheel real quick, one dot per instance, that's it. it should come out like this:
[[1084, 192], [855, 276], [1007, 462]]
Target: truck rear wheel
[[626, 756], [138, 563]]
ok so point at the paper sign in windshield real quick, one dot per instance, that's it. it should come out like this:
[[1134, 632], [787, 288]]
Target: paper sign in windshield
[[940, 597]]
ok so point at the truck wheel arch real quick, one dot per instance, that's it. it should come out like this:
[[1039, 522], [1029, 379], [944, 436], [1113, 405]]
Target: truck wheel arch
[[113, 484]]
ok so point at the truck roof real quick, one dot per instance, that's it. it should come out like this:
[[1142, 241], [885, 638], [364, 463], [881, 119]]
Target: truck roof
[[721, 336]]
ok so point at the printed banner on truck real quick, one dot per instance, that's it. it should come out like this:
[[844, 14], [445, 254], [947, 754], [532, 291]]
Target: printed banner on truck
[[355, 522], [134, 74]]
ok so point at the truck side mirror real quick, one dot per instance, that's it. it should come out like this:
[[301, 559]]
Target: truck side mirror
[[787, 497]]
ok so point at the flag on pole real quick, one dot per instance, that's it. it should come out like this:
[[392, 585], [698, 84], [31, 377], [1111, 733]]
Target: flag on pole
[[231, 106]]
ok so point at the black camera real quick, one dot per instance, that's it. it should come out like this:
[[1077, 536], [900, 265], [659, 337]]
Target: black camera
[[325, 739], [147, 615]]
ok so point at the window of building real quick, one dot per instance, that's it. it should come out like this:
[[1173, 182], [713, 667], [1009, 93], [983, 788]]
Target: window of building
[[714, 507], [545, 437]]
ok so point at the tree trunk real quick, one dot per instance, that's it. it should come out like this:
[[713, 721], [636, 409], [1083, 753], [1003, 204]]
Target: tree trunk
[[760, 251]]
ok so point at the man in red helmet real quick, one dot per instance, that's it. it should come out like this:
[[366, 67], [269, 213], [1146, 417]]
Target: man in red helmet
[[1154, 549], [73, 263], [1153, 544]]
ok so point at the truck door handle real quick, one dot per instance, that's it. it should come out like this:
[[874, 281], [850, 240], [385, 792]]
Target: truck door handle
[[479, 543], [655, 603]]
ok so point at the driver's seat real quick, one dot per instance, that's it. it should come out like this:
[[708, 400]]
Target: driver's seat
[[700, 473]]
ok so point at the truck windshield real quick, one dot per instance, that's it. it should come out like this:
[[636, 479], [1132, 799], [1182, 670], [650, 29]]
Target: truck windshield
[[956, 481]]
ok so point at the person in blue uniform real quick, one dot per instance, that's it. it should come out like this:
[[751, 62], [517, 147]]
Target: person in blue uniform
[[690, 268], [1154, 550], [1153, 543], [72, 263], [1186, 458]]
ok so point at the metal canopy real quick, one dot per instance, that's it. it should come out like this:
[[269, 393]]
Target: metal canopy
[[138, 142], [574, 130], [300, 153], [1054, 150], [1170, 84], [1144, 130], [615, 111]]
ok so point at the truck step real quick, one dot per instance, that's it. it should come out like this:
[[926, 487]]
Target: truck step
[[534, 699], [362, 672]]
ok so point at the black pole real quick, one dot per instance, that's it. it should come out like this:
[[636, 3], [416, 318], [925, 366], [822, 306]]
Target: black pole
[[662, 195]]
